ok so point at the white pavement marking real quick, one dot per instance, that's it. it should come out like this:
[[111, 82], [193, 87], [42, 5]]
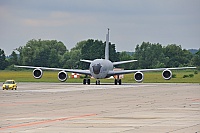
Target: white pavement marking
[[80, 88]]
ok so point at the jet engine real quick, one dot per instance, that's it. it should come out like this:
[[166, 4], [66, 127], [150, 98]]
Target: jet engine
[[139, 76], [62, 76], [167, 74], [37, 73]]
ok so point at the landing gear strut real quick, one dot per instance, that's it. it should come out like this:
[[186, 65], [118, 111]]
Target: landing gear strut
[[118, 80]]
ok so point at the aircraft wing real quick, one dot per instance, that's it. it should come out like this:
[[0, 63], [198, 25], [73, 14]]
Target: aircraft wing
[[86, 72], [111, 73]]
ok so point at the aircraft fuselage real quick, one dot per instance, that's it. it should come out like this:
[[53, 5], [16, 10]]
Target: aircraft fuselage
[[99, 68]]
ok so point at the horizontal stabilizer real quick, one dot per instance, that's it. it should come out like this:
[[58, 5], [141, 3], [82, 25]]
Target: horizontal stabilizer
[[123, 62], [88, 61]]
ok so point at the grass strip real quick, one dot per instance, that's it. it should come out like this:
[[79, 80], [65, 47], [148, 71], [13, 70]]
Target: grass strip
[[149, 77]]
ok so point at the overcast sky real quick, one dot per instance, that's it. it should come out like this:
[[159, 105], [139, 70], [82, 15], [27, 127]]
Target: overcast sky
[[130, 21]]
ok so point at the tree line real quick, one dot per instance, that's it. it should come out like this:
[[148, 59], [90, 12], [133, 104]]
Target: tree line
[[53, 53]]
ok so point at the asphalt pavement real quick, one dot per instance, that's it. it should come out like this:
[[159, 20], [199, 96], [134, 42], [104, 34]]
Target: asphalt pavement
[[106, 108]]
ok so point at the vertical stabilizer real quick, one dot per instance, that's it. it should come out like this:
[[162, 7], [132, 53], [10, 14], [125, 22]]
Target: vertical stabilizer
[[107, 46]]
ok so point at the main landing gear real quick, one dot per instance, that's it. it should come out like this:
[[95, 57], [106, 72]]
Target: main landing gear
[[86, 81], [118, 80]]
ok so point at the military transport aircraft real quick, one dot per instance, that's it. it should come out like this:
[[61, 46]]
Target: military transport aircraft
[[103, 68]]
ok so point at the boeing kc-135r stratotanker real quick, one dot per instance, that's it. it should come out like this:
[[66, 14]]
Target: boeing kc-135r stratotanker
[[103, 68]]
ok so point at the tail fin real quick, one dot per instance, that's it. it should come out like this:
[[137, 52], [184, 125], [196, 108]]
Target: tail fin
[[107, 46]]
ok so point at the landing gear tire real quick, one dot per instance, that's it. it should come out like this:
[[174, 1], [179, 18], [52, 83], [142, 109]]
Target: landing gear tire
[[97, 82], [86, 81], [118, 81], [115, 81]]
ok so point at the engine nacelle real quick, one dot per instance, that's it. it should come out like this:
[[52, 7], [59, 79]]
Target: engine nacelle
[[62, 76], [167, 74], [138, 76], [37, 73]]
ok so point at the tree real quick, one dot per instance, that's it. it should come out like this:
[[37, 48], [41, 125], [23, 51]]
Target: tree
[[149, 55], [64, 59], [196, 59], [123, 56], [177, 57], [3, 62], [13, 60], [51, 53], [155, 56], [186, 58], [79, 45], [42, 53], [72, 59]]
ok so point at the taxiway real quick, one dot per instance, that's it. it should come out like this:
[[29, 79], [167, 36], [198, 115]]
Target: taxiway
[[77, 108]]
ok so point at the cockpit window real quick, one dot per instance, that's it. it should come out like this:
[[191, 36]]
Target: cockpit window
[[96, 68]]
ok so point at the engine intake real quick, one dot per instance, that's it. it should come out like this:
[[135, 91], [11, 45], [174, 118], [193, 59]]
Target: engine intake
[[138, 76], [37, 73], [167, 74], [62, 76]]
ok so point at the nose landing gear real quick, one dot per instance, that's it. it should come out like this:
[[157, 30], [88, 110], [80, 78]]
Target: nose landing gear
[[97, 82]]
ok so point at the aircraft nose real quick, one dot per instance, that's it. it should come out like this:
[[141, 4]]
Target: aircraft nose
[[96, 68]]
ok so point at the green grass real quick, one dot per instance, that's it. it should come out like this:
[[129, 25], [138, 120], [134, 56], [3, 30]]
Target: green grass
[[149, 77]]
